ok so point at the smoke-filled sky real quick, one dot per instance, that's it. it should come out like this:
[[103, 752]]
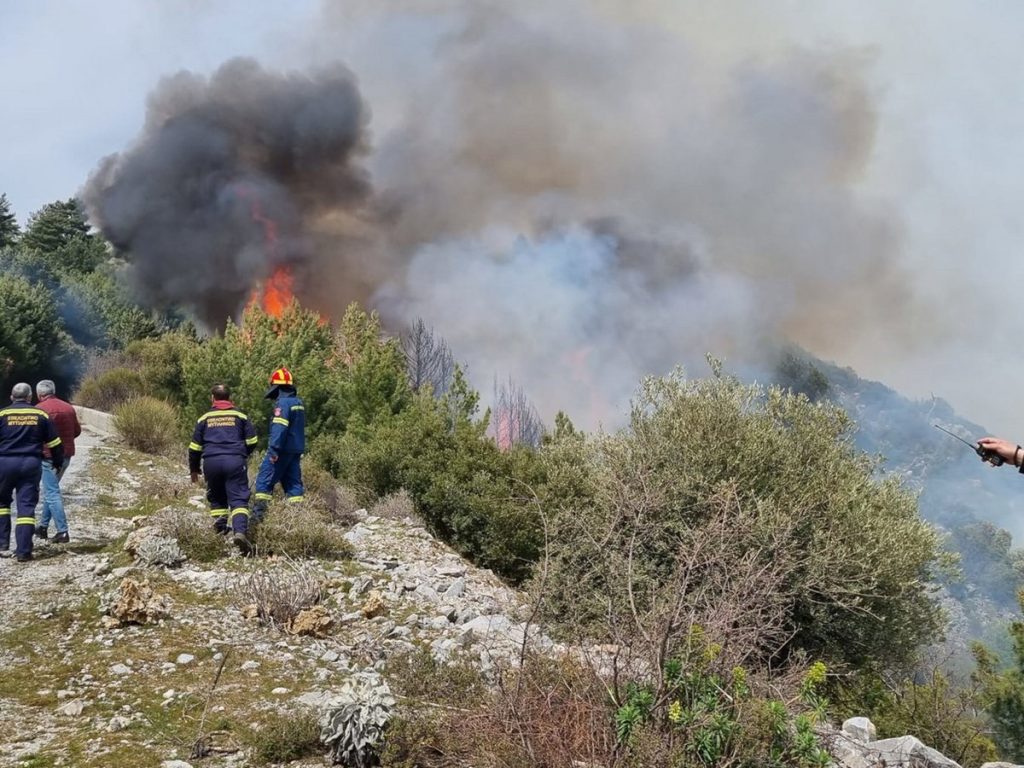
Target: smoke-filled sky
[[574, 193]]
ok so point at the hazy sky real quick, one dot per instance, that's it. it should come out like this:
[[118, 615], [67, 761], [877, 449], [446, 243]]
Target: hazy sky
[[948, 159]]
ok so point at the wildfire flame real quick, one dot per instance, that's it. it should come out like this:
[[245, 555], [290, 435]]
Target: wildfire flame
[[276, 293], [504, 430]]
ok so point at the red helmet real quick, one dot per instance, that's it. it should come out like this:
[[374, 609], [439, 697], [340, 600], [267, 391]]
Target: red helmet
[[281, 377]]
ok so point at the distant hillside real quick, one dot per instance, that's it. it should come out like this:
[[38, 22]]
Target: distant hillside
[[981, 507]]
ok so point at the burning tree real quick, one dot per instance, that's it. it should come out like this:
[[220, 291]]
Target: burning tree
[[429, 359], [515, 419]]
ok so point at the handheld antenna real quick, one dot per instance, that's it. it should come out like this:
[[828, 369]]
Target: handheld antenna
[[991, 457], [953, 434]]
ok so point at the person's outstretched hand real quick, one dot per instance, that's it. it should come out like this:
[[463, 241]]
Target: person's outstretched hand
[[1010, 452]]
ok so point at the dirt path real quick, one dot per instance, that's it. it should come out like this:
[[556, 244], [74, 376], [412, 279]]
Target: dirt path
[[61, 576], [28, 586]]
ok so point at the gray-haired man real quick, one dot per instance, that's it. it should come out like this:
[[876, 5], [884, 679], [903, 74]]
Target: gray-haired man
[[65, 419]]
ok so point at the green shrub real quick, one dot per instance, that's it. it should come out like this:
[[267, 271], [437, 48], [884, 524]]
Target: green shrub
[[33, 341], [286, 736], [701, 713], [417, 674], [148, 425], [244, 356], [366, 428], [108, 390], [160, 363], [472, 495], [1003, 690], [849, 555], [300, 530], [194, 533]]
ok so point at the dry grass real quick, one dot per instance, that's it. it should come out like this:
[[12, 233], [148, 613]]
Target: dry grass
[[300, 530], [395, 506], [338, 502], [287, 736], [194, 533], [550, 713]]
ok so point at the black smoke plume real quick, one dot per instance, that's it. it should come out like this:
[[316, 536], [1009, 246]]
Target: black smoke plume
[[227, 181]]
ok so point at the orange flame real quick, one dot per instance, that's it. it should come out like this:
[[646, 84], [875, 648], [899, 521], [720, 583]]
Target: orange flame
[[277, 292], [504, 434]]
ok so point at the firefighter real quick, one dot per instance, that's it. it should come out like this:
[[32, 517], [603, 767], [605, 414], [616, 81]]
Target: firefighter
[[223, 439], [24, 432], [287, 443]]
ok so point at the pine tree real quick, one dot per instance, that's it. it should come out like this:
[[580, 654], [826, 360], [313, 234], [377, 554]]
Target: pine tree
[[29, 326], [56, 225], [9, 229]]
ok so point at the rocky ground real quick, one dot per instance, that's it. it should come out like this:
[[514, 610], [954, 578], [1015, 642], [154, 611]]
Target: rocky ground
[[78, 688]]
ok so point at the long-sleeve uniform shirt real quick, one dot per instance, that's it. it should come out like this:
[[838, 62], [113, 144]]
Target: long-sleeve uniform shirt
[[222, 431], [26, 430], [288, 426]]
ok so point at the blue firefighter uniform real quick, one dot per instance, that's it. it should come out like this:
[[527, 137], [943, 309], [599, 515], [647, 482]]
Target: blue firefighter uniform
[[24, 431], [282, 464], [223, 438]]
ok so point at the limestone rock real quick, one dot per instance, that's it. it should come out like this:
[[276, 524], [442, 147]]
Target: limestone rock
[[316, 622], [907, 752], [134, 602], [374, 605], [860, 729], [72, 708], [118, 723], [457, 589]]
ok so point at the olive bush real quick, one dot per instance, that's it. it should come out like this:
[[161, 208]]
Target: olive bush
[[148, 425], [846, 550]]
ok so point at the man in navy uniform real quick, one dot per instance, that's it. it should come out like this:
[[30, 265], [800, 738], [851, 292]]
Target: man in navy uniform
[[24, 432], [282, 464], [223, 439]]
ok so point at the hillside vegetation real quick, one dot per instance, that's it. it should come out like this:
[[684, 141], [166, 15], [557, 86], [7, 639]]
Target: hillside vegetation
[[739, 559]]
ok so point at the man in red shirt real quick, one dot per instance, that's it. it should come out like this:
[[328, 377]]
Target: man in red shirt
[[64, 418]]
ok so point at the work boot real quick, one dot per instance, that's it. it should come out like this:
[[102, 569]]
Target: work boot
[[241, 541], [24, 558], [61, 538], [41, 532], [257, 512]]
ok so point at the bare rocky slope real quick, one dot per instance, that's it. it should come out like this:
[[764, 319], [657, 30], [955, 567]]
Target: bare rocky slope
[[79, 688]]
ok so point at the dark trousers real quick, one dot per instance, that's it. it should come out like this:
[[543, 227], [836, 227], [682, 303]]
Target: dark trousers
[[227, 490], [287, 471], [19, 475]]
